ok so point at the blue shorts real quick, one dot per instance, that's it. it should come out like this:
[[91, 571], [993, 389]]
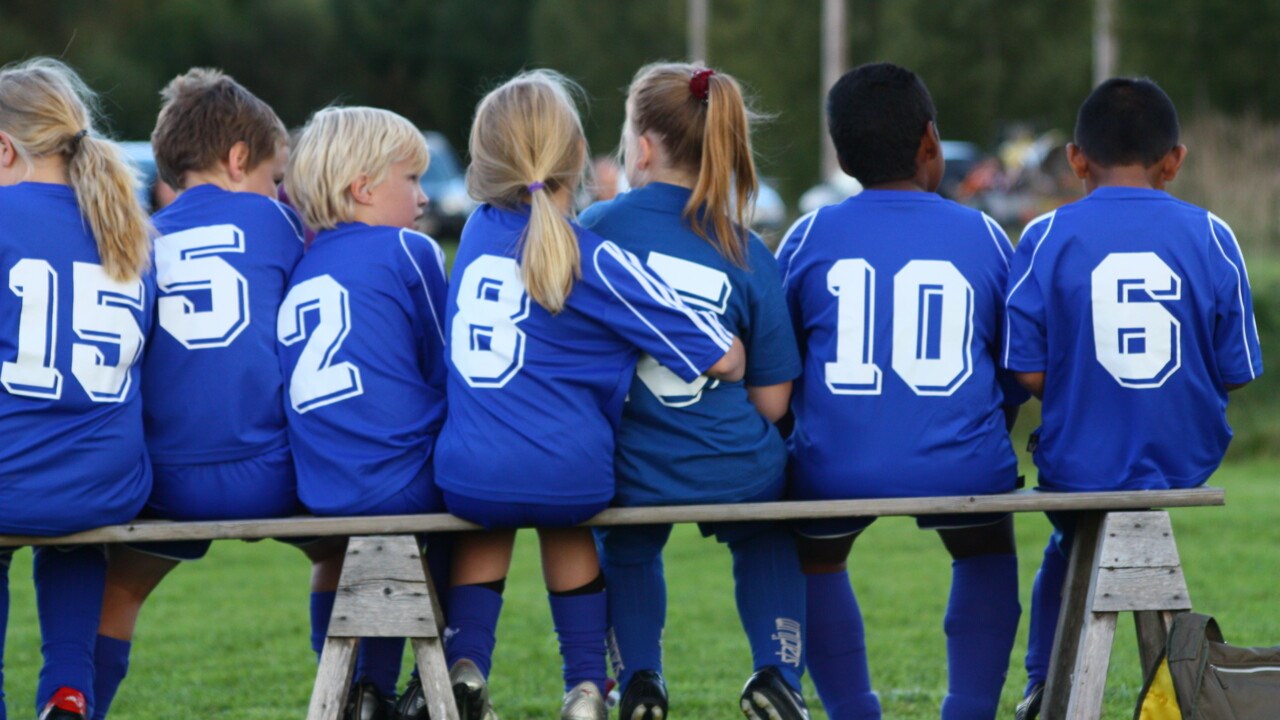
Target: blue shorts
[[830, 528], [263, 486], [493, 515]]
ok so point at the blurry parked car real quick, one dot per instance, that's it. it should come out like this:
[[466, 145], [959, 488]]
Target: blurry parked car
[[154, 193], [961, 157], [771, 211], [448, 205], [834, 190]]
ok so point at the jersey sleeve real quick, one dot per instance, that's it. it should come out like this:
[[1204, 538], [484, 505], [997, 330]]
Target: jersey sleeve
[[792, 241], [772, 356], [427, 288], [1235, 338], [1025, 334], [1011, 391], [640, 307]]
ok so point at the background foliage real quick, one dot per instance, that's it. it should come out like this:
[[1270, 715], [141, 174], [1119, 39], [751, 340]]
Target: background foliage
[[989, 63]]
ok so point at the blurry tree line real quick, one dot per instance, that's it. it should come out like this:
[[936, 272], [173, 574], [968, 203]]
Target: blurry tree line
[[988, 62]]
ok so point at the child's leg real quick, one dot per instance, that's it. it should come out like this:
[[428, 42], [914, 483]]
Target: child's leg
[[1046, 598], [579, 607], [5, 556], [326, 556], [131, 577], [982, 617], [837, 648], [69, 586], [632, 562], [480, 564], [771, 602]]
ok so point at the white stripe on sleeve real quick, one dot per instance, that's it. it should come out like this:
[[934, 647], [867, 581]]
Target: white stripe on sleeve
[[1244, 331], [435, 313], [1008, 332]]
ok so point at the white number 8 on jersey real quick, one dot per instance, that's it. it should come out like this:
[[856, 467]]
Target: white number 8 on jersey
[[485, 344]]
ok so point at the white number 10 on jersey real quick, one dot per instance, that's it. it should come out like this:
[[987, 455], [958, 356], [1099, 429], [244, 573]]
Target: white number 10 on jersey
[[932, 328]]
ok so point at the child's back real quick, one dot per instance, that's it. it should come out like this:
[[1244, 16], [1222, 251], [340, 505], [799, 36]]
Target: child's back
[[1137, 307], [896, 297]]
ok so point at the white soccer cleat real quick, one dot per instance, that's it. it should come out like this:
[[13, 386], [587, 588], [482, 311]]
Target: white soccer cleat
[[584, 702]]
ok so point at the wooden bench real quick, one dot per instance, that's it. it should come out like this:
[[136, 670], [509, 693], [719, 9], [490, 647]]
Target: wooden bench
[[1124, 560]]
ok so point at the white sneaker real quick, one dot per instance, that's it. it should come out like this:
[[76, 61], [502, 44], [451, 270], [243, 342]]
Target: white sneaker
[[470, 691], [584, 702]]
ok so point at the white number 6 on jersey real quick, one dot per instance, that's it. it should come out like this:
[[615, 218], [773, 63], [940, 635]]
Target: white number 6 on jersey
[[1136, 339]]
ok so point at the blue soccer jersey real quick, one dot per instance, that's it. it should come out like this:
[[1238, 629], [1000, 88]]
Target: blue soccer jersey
[[702, 441], [535, 399], [71, 339], [1137, 308], [212, 386], [362, 341], [897, 300]]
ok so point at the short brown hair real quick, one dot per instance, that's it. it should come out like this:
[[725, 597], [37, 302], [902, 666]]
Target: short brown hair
[[205, 113]]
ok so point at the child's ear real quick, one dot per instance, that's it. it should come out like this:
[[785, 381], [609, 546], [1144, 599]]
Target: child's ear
[[1172, 163], [1079, 163], [238, 161], [930, 144], [644, 152], [8, 153], [361, 190]]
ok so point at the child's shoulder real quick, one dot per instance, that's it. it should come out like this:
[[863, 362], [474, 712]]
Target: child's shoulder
[[209, 205]]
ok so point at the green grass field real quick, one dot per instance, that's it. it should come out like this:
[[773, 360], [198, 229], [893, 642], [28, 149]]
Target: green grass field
[[227, 637]]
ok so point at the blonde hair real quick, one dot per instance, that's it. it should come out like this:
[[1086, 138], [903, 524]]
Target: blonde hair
[[46, 110], [708, 136], [528, 131], [205, 113], [337, 146]]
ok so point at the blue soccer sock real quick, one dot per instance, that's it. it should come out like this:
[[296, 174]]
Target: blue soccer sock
[[637, 614], [473, 623], [981, 621], [5, 557], [581, 622], [769, 588], [837, 652], [69, 587], [1046, 605], [110, 665], [321, 611], [378, 661]]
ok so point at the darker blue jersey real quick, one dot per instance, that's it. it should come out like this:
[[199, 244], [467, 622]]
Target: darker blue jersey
[[362, 342], [535, 399], [1137, 308], [702, 441], [72, 455], [897, 300], [212, 385]]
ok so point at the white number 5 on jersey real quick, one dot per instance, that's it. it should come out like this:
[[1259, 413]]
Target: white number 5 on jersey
[[699, 287], [188, 262]]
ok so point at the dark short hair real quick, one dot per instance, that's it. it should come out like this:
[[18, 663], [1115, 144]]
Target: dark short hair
[[204, 114], [1126, 121], [876, 114]]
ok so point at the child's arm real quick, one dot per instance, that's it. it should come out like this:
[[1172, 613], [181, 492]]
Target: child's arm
[[772, 401], [732, 366]]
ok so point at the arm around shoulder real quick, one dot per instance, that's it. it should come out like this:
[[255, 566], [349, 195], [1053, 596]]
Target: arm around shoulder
[[733, 365]]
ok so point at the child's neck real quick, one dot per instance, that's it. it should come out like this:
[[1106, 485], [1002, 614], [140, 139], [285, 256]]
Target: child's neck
[[195, 178], [1131, 176], [911, 185]]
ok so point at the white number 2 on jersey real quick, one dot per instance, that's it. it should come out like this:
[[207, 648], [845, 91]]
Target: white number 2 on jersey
[[317, 380], [1136, 339], [932, 328], [699, 287], [188, 262], [101, 315], [486, 344]]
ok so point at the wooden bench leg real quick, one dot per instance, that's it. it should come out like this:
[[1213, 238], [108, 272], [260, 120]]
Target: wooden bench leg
[[1075, 595], [385, 591], [1152, 628], [333, 679]]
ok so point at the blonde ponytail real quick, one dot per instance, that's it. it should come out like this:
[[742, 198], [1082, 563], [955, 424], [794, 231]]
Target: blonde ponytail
[[527, 143], [704, 125], [105, 187], [46, 109]]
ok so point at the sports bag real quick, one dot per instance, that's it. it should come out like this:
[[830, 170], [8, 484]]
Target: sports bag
[[1201, 677]]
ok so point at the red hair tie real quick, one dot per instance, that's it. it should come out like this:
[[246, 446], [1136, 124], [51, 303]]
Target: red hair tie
[[700, 83]]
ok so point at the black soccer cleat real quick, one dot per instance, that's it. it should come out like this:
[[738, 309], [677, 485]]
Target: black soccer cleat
[[1029, 708], [645, 697], [768, 697], [366, 702], [412, 704], [66, 704]]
